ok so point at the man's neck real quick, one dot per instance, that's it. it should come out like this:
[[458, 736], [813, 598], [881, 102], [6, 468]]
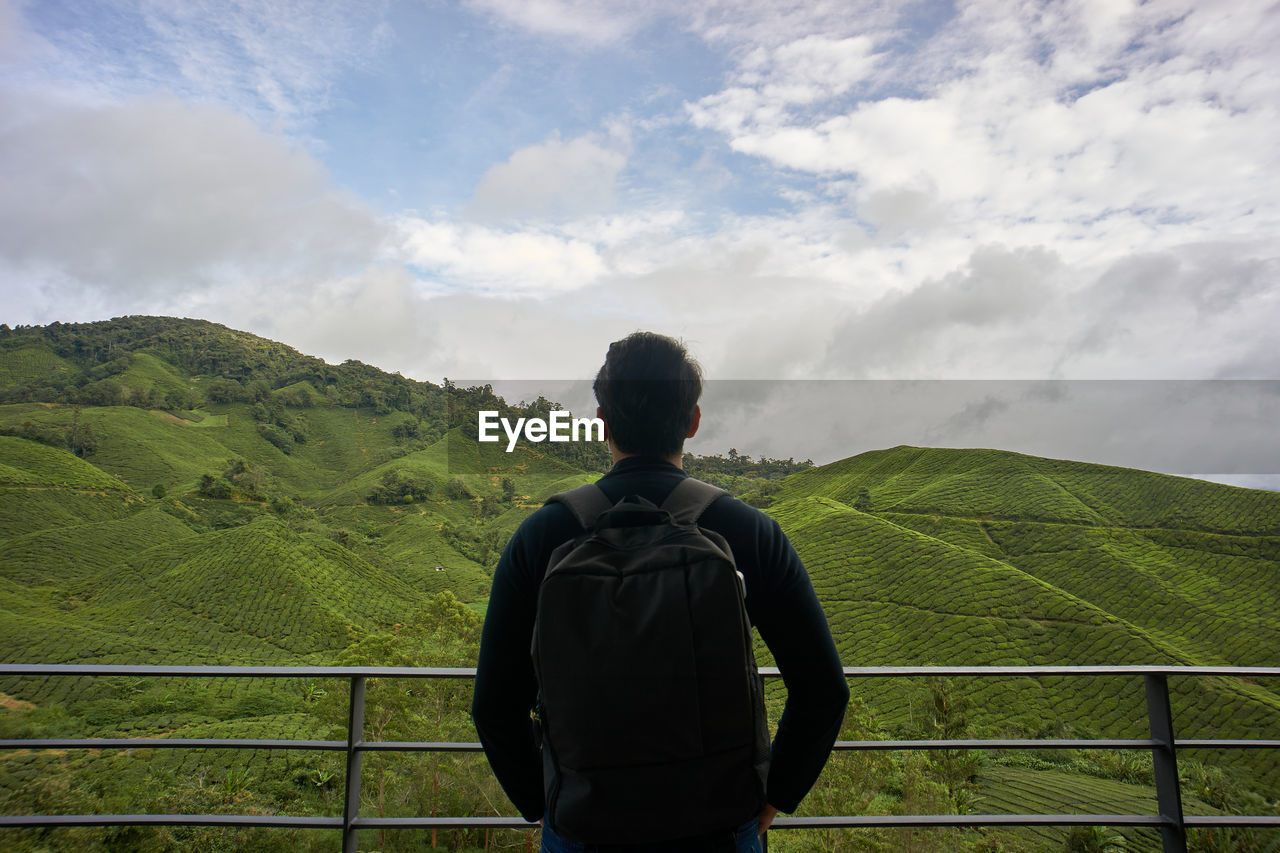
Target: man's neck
[[676, 460]]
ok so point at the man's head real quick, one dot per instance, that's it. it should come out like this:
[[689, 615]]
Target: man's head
[[648, 390]]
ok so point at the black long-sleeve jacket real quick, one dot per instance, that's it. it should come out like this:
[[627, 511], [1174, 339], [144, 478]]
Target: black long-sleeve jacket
[[780, 602]]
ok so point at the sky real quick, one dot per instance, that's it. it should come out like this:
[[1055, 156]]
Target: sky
[[496, 189]]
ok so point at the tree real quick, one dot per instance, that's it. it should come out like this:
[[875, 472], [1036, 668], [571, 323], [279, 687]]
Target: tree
[[245, 477], [80, 438], [224, 391], [214, 487], [406, 428], [282, 440], [444, 632], [949, 720]]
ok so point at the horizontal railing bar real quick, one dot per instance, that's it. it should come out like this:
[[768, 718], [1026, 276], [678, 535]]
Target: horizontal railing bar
[[297, 821], [983, 671], [308, 672], [443, 823], [855, 821], [851, 821], [995, 744], [170, 743], [468, 746], [415, 746], [812, 822], [1226, 744], [469, 672], [473, 746], [1230, 820]]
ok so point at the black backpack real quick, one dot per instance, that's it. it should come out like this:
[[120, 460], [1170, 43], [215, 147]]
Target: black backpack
[[650, 708]]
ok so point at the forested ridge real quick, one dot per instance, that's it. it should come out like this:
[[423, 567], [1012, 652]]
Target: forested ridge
[[176, 491]]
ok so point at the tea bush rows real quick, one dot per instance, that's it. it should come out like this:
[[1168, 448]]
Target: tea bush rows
[[33, 364], [1064, 594], [1017, 790], [69, 554], [26, 463], [998, 484]]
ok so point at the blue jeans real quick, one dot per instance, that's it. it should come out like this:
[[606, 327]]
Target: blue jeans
[[745, 841]]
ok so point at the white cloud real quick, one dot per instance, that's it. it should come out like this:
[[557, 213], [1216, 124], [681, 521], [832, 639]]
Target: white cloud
[[496, 261], [743, 25], [376, 315], [556, 179], [810, 68], [1195, 311], [153, 196], [737, 25], [793, 297], [582, 20], [1198, 310], [952, 326], [901, 210], [1175, 128]]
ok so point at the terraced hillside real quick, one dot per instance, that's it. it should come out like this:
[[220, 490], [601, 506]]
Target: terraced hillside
[[176, 491], [92, 572], [219, 507], [931, 556]]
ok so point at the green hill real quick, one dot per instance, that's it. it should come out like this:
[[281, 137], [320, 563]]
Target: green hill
[[929, 556], [176, 491]]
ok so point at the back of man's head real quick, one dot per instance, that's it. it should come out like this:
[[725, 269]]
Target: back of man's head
[[648, 389]]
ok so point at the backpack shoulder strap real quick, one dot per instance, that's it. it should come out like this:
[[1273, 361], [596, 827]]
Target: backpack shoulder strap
[[689, 499], [586, 503]]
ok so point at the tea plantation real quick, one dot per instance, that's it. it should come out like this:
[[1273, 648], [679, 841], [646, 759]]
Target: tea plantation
[[172, 491]]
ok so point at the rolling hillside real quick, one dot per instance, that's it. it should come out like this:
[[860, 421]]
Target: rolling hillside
[[931, 556], [171, 490]]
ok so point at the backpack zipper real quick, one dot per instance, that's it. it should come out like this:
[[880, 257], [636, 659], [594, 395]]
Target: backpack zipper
[[544, 741]]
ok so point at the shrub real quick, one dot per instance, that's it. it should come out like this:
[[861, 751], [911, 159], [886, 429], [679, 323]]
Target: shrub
[[214, 487], [399, 487], [259, 703], [281, 439]]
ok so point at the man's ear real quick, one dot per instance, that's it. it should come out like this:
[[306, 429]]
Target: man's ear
[[600, 415], [693, 424]]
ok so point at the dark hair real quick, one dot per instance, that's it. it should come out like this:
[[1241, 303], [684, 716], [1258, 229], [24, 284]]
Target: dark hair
[[648, 388]]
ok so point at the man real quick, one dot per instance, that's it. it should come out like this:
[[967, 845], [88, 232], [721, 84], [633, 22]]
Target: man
[[648, 391]]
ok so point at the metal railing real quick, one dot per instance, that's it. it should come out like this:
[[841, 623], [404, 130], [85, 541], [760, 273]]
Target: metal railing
[[1170, 820]]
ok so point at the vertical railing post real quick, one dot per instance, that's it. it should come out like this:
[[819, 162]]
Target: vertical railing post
[[1164, 757], [355, 734]]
